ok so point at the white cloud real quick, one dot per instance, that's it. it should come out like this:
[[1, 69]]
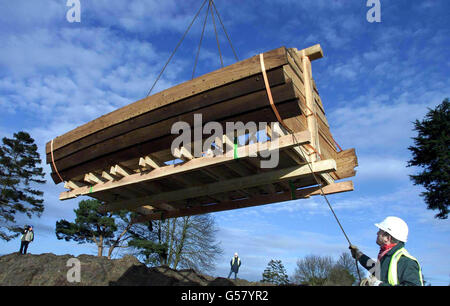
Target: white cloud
[[380, 122], [381, 168]]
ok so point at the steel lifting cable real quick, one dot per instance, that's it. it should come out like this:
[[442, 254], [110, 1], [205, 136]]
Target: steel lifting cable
[[217, 37], [277, 114], [328, 202], [175, 50], [201, 39], [211, 6], [224, 30]]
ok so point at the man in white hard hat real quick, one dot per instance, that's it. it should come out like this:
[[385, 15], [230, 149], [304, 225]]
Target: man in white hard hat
[[235, 264], [395, 266]]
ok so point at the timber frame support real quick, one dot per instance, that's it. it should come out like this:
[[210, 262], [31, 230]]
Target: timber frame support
[[150, 182]]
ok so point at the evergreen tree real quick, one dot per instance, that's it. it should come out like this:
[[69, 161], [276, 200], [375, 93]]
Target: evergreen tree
[[90, 226], [144, 240], [431, 151], [275, 273], [111, 230], [19, 171]]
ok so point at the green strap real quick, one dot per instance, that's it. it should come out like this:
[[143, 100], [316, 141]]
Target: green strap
[[90, 189], [293, 196], [235, 149]]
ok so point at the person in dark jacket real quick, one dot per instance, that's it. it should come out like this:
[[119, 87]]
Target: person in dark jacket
[[235, 263], [26, 238], [394, 266]]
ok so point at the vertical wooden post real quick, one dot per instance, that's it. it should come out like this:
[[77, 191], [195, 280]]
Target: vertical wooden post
[[311, 118]]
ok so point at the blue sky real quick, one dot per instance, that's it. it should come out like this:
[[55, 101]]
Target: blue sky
[[374, 81]]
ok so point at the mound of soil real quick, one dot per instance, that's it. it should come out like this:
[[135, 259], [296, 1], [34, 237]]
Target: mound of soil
[[53, 270]]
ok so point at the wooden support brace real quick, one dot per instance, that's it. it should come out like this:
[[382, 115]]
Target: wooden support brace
[[182, 153], [225, 186], [109, 176], [145, 210], [147, 162], [93, 178], [167, 171], [120, 171], [254, 201], [73, 185], [313, 52]]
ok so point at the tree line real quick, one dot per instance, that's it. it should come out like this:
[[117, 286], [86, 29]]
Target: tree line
[[185, 242], [314, 270]]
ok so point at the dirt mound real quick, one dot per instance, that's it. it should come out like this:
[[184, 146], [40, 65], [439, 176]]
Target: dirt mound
[[52, 270]]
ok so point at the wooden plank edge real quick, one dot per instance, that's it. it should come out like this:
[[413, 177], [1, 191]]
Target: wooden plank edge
[[251, 202]]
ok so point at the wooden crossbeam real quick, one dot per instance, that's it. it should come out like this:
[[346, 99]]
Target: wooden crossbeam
[[118, 170], [149, 162], [313, 52], [250, 202], [93, 178], [150, 209], [301, 153], [284, 142], [73, 185], [182, 153], [109, 176], [214, 79], [145, 210], [225, 186]]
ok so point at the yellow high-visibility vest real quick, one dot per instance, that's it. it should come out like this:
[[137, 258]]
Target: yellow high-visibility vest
[[392, 272], [239, 261]]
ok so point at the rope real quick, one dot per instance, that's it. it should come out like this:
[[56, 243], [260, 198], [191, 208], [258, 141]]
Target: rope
[[53, 161], [217, 37], [176, 48], [212, 7], [225, 31], [201, 39], [272, 104]]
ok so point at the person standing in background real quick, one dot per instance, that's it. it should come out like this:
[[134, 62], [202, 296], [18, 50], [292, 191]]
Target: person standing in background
[[26, 238], [235, 264]]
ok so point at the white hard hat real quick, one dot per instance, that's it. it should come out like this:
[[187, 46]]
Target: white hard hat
[[235, 254], [395, 227]]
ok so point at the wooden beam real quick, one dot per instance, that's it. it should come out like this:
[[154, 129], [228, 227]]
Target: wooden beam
[[313, 53], [182, 153], [93, 178], [251, 202], [192, 104], [231, 73], [130, 140], [118, 170], [73, 185], [225, 186], [109, 176], [346, 161], [150, 162], [311, 118], [145, 210], [161, 147], [194, 164]]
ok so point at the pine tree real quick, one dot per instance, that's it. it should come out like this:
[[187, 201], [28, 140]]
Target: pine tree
[[19, 172], [275, 273], [109, 230], [90, 226], [145, 243], [431, 151]]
